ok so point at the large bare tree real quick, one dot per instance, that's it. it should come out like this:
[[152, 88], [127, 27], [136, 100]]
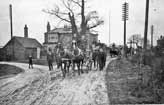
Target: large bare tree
[[74, 12]]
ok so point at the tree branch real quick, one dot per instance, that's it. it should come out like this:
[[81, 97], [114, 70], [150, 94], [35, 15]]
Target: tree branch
[[96, 24], [68, 6], [77, 3], [56, 13]]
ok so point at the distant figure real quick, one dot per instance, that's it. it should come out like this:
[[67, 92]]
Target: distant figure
[[50, 59], [30, 61], [102, 59]]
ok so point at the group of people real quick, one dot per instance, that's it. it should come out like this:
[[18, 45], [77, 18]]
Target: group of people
[[50, 59], [120, 51], [98, 58]]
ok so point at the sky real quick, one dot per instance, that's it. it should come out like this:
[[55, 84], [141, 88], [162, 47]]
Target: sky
[[30, 12]]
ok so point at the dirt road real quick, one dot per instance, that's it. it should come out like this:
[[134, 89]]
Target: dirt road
[[38, 89]]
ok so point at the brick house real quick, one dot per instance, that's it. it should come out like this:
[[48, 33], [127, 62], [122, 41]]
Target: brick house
[[19, 48], [64, 36]]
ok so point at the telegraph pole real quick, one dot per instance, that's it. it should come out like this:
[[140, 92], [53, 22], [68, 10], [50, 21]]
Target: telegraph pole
[[109, 28], [146, 24], [146, 29], [152, 32], [11, 28], [11, 21], [125, 7]]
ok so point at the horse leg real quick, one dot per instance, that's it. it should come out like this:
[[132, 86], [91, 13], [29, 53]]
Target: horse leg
[[111, 55], [78, 66], [73, 67], [68, 66], [82, 66], [90, 64], [58, 64], [62, 70], [94, 61], [97, 63], [51, 65], [65, 67]]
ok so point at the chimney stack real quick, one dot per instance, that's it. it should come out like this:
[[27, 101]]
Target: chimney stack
[[48, 27], [26, 31]]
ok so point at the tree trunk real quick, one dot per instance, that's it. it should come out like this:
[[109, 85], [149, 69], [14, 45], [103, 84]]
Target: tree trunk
[[83, 21], [73, 25]]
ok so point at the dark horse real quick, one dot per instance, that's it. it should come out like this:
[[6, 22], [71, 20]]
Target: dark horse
[[65, 58], [114, 52]]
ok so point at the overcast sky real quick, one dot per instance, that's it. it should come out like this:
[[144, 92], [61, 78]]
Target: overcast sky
[[30, 12]]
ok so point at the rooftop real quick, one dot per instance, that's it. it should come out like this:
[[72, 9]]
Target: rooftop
[[27, 42], [68, 30]]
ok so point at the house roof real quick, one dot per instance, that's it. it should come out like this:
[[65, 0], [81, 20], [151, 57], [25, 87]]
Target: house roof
[[61, 30], [68, 30], [27, 42]]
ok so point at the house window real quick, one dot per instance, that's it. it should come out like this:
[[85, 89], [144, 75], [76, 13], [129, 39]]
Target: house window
[[52, 38]]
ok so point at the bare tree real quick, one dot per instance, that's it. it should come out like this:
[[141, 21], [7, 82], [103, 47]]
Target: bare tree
[[71, 12]]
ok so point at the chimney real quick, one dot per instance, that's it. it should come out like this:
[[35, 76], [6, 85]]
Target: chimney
[[48, 27], [26, 31]]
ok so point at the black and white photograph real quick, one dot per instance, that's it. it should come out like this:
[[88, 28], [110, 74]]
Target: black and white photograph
[[81, 52]]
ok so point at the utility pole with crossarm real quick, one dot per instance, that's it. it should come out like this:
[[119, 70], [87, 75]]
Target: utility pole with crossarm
[[125, 8]]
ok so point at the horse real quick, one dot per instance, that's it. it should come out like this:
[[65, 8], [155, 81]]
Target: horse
[[78, 59], [60, 55], [66, 61], [66, 58], [114, 52]]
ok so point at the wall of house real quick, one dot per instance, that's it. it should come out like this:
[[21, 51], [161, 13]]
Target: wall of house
[[19, 52], [47, 46], [31, 51], [45, 38], [13, 47], [51, 39], [2, 53], [90, 39], [66, 40], [160, 43]]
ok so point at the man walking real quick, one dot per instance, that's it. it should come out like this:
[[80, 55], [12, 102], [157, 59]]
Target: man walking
[[102, 59], [30, 61], [50, 59]]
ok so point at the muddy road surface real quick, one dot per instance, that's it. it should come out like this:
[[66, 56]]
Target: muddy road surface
[[38, 86]]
